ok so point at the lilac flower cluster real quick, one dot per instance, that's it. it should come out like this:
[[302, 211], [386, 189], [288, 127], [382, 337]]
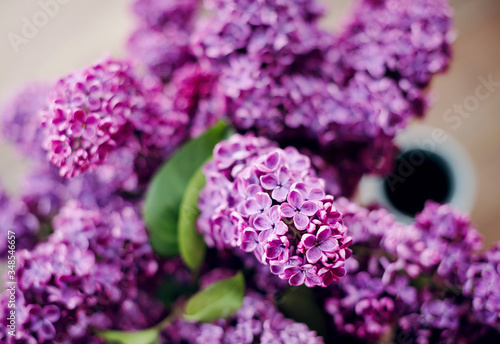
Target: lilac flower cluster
[[21, 119], [285, 78], [437, 321], [481, 284], [94, 272], [409, 277], [268, 201], [195, 90], [105, 106], [161, 39], [257, 321], [361, 304], [411, 40], [16, 216], [440, 241], [267, 53]]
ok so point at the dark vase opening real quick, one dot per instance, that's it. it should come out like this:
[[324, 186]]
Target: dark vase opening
[[419, 175]]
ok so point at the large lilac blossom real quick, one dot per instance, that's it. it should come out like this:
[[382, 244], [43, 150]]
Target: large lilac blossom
[[161, 40], [286, 78], [94, 273], [481, 283], [257, 321], [409, 39], [195, 90], [105, 106], [21, 119], [361, 304], [408, 278], [15, 216], [268, 201], [440, 241]]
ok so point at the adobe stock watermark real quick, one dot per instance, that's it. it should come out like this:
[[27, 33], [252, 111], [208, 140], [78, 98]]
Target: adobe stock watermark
[[456, 116], [31, 26]]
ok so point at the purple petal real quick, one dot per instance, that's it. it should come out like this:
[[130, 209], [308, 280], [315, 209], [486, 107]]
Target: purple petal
[[287, 210], [277, 268], [79, 115], [313, 254], [329, 245], [252, 207], [262, 222], [281, 228], [290, 270], [279, 194], [309, 208], [295, 199], [76, 129], [248, 246], [89, 133], [274, 214], [297, 279], [312, 280], [264, 200], [316, 194], [283, 176], [272, 252], [51, 313], [264, 235], [252, 190], [269, 181], [270, 162], [302, 188], [92, 120], [323, 234], [301, 221], [309, 240], [47, 331], [249, 235]]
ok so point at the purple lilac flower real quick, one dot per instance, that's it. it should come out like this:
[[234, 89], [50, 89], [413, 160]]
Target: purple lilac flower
[[194, 90], [95, 272], [440, 241], [408, 278], [123, 173], [44, 191], [15, 216], [257, 321], [159, 13], [367, 227], [21, 119], [162, 51], [300, 226], [481, 284], [345, 96], [410, 39], [162, 37], [438, 321], [362, 307], [105, 106]]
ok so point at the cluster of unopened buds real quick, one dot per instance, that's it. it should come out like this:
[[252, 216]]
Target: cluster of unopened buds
[[268, 201]]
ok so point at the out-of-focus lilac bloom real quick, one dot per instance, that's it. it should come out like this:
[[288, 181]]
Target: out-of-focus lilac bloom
[[257, 321], [21, 118]]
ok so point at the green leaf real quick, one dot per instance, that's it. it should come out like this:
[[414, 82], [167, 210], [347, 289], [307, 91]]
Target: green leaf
[[218, 300], [300, 304], [191, 243], [149, 336], [165, 193]]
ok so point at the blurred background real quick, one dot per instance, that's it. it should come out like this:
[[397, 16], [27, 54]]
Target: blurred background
[[80, 32]]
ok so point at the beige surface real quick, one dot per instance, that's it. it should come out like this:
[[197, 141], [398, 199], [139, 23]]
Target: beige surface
[[82, 31]]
